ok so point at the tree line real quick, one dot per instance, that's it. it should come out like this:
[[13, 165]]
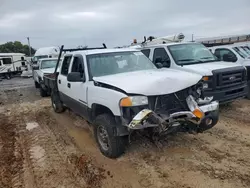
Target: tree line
[[16, 47]]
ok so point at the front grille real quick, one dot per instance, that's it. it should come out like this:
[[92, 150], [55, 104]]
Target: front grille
[[170, 103], [229, 77]]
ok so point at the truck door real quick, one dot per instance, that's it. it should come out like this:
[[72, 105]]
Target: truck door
[[64, 89], [78, 90]]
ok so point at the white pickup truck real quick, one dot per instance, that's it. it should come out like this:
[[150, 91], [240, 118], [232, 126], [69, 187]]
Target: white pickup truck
[[237, 53], [120, 90], [44, 66], [224, 81]]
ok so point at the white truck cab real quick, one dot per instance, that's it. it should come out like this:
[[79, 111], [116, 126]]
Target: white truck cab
[[120, 90], [224, 81], [234, 53]]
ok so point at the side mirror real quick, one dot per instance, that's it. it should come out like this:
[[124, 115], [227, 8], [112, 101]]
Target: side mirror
[[159, 65], [75, 77], [229, 58]]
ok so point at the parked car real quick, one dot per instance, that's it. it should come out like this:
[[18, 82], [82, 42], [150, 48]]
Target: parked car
[[224, 81], [120, 90], [44, 66]]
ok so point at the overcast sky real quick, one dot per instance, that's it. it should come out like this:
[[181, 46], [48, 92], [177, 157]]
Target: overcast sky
[[92, 22]]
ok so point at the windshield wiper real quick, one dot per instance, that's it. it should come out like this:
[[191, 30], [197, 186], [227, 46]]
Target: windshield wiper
[[207, 58], [193, 60]]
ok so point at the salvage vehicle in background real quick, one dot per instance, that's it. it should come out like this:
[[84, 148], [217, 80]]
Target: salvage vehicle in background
[[233, 49], [45, 52], [44, 66], [120, 91], [224, 81], [11, 64]]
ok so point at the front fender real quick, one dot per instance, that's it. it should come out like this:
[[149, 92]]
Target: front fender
[[106, 97]]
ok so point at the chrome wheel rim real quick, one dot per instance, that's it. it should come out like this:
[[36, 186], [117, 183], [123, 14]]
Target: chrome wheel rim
[[102, 136]]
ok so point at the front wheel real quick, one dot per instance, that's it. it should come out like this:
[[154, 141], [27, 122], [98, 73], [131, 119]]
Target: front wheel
[[110, 145], [209, 121], [248, 92]]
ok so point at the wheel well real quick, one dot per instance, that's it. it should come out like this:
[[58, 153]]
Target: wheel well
[[98, 109]]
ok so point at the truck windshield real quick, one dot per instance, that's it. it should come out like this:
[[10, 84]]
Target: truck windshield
[[191, 53], [117, 62], [46, 64]]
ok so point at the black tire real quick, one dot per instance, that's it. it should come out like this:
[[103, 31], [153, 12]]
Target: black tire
[[56, 103], [37, 85], [248, 92], [43, 92], [213, 116], [116, 144]]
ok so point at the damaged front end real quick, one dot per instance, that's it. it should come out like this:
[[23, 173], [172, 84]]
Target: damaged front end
[[181, 111]]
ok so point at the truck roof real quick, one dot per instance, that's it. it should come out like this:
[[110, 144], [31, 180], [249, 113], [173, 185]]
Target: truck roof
[[12, 54], [100, 51], [167, 44], [47, 51]]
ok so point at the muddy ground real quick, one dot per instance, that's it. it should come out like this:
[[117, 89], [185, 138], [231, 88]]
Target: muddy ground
[[42, 149]]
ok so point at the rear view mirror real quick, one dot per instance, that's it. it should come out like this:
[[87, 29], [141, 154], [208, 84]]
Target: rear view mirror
[[75, 77], [229, 58]]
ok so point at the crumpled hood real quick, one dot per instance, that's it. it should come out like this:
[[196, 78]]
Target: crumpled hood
[[151, 82], [48, 71], [205, 69]]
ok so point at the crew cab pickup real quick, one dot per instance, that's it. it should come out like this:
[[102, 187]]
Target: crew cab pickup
[[44, 66], [224, 81], [120, 90], [239, 54]]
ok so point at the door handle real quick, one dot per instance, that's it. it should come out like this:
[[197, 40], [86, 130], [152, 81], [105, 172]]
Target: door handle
[[69, 85], [59, 81]]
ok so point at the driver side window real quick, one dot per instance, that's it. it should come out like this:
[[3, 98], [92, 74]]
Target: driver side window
[[77, 65], [161, 56]]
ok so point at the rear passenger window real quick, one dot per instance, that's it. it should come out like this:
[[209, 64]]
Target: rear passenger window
[[65, 65], [77, 65], [146, 52]]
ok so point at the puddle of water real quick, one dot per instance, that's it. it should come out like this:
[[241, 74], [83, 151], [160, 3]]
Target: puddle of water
[[31, 125]]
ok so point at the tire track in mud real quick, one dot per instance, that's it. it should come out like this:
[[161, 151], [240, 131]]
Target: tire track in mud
[[10, 156]]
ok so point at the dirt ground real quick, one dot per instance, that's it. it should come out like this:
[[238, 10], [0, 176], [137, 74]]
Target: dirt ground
[[42, 149]]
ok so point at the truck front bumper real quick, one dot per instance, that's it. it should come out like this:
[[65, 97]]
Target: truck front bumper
[[148, 118], [228, 95]]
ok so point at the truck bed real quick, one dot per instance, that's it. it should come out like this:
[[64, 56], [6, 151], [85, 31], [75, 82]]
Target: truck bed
[[50, 80]]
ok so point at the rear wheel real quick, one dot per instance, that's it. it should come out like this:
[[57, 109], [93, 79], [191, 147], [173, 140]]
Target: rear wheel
[[37, 85], [56, 103], [43, 92], [110, 145]]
